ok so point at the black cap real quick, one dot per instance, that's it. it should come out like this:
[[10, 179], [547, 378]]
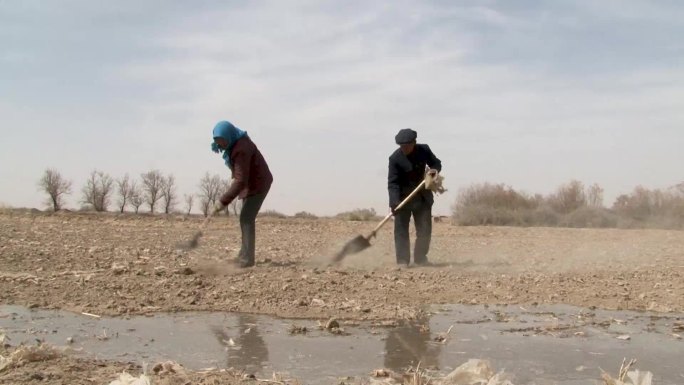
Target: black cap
[[405, 136]]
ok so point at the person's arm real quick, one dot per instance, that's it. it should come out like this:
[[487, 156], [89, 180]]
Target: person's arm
[[241, 165], [433, 162], [393, 185]]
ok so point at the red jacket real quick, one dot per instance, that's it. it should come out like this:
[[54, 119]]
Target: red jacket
[[251, 174]]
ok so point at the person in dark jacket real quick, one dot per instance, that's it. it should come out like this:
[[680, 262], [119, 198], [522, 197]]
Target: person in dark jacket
[[251, 182], [407, 168]]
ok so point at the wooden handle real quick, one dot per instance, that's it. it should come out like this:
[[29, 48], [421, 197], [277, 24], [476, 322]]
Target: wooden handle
[[402, 204]]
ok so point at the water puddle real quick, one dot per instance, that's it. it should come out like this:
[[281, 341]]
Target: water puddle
[[539, 345]]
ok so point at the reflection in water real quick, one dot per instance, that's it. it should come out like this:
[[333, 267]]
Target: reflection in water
[[249, 352], [408, 345]]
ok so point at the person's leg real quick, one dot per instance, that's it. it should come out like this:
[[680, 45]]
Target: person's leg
[[250, 209], [402, 242], [422, 216]]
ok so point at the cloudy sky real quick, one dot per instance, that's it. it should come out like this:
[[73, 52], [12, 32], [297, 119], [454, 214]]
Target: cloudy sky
[[527, 93]]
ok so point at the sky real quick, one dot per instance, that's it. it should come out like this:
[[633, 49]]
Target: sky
[[529, 93]]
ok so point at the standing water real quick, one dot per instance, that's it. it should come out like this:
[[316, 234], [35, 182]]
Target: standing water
[[538, 345]]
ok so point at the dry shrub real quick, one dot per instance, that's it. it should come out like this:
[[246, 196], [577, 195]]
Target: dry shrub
[[272, 214], [305, 215], [493, 204], [358, 215], [26, 354], [628, 377], [593, 217], [5, 209], [568, 198], [651, 208], [571, 205]]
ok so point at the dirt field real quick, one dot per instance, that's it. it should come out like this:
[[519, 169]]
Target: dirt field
[[123, 264]]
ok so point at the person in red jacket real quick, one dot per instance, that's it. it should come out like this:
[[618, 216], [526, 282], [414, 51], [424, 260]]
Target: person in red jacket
[[251, 182]]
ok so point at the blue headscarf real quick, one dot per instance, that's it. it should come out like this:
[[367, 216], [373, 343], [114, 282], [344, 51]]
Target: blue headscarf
[[231, 134]]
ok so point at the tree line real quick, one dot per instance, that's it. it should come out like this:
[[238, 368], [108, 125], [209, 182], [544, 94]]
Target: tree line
[[572, 205], [152, 190]]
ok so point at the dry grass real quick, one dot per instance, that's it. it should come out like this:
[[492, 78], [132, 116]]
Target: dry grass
[[26, 354]]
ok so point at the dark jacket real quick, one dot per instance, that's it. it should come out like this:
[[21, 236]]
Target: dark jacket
[[407, 171], [251, 174]]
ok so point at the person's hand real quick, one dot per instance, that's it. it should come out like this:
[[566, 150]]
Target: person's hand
[[432, 172], [393, 209], [219, 207]]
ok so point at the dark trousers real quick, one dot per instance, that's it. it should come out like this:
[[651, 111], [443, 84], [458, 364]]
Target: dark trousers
[[422, 217], [250, 208]]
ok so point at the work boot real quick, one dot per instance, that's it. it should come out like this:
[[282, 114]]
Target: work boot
[[423, 263]]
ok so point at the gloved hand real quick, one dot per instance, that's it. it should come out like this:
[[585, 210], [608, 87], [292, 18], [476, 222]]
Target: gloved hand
[[218, 207], [432, 172]]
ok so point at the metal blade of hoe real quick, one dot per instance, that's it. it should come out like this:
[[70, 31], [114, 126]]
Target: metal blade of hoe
[[354, 246]]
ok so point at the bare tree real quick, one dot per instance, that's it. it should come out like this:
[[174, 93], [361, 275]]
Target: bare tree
[[680, 187], [595, 195], [137, 198], [569, 197], [189, 200], [98, 190], [153, 182], [125, 188], [209, 190], [225, 185], [236, 206], [54, 184], [168, 192]]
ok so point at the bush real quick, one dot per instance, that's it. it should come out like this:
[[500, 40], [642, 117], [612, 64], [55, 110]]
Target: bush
[[305, 215], [494, 204], [482, 215], [358, 215], [650, 208], [571, 205], [594, 217], [568, 198], [272, 214]]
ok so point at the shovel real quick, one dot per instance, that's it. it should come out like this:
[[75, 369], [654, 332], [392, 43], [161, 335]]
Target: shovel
[[194, 241], [361, 243]]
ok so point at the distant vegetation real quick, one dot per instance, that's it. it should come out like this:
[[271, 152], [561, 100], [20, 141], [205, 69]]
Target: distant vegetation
[[358, 215], [572, 205], [272, 214], [305, 215]]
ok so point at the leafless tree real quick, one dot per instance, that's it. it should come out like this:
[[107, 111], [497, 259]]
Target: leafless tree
[[189, 200], [209, 190], [54, 184], [569, 197], [680, 187], [98, 190], [168, 192], [595, 195], [137, 198], [236, 206], [125, 187], [153, 182], [225, 185]]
